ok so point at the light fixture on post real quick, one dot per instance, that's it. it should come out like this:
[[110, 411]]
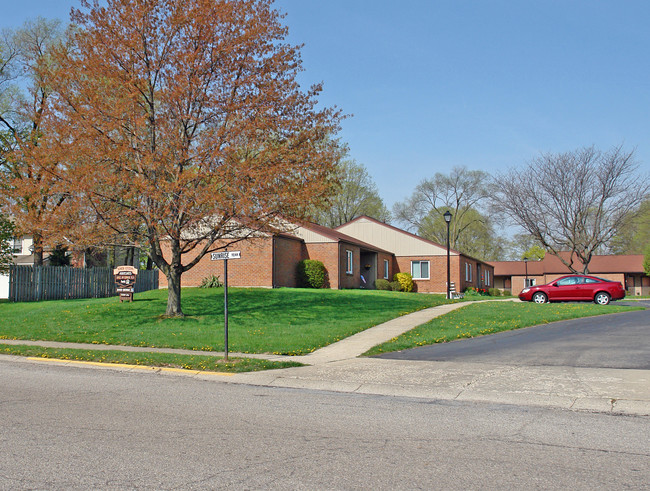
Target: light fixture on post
[[447, 216]]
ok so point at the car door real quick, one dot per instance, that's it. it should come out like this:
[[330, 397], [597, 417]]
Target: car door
[[565, 289], [585, 289]]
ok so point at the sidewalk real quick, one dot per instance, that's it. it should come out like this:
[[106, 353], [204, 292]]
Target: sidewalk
[[337, 368]]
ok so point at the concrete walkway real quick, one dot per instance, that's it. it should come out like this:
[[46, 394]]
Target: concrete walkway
[[337, 368]]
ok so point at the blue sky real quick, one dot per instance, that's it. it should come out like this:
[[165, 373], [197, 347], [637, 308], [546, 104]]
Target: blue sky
[[486, 84]]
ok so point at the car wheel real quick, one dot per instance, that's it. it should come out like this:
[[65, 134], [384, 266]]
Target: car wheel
[[602, 298], [540, 297]]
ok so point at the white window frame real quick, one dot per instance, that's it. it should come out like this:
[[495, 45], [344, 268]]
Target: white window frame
[[386, 270], [17, 246], [528, 282], [428, 270], [468, 272], [487, 277], [349, 269]]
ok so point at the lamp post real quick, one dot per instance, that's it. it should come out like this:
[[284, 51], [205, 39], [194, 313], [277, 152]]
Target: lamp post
[[447, 216], [526, 267]]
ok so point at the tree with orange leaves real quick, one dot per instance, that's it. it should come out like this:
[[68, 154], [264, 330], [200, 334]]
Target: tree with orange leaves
[[183, 124], [31, 192]]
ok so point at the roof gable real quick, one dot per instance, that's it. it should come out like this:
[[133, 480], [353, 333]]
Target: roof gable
[[401, 242], [314, 233]]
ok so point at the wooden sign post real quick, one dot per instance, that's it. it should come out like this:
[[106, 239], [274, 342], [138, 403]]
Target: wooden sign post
[[224, 256], [125, 277]]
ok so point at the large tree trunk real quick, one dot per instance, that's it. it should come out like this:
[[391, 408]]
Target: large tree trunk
[[38, 249], [173, 274]]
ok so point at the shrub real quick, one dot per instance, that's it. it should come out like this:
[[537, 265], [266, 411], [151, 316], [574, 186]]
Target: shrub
[[405, 281], [395, 286], [311, 274], [494, 292], [381, 284], [211, 281]]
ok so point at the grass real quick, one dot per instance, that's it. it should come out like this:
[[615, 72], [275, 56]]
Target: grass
[[169, 360], [480, 319], [280, 321]]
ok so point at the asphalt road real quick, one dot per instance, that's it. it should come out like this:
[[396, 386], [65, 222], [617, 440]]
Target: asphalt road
[[608, 341], [88, 428]]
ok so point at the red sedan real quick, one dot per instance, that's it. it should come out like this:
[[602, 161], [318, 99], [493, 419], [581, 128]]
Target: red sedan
[[575, 288]]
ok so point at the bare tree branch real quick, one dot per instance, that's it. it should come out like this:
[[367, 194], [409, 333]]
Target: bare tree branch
[[573, 202]]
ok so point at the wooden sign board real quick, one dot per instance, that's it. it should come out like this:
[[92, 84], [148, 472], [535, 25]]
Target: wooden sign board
[[125, 277]]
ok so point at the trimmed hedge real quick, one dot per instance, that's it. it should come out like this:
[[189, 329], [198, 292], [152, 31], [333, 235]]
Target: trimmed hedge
[[311, 274], [382, 284]]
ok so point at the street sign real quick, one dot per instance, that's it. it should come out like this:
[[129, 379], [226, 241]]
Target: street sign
[[216, 256], [224, 256]]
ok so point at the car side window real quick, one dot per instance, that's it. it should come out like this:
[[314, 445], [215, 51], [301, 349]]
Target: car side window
[[591, 280], [567, 281]]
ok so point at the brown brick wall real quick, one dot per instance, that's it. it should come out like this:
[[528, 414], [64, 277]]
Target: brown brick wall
[[477, 279], [437, 282], [288, 253], [328, 253], [349, 280], [253, 269]]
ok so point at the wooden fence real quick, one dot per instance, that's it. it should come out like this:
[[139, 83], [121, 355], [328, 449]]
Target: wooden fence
[[34, 283]]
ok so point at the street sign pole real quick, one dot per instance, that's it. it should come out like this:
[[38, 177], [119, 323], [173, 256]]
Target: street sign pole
[[225, 307], [224, 256]]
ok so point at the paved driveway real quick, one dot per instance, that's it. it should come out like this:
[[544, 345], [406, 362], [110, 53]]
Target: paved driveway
[[608, 341]]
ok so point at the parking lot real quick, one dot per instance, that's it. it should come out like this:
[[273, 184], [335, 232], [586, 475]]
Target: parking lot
[[608, 341]]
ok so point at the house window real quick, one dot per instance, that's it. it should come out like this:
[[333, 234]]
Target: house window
[[386, 272], [18, 245], [420, 270], [348, 267], [468, 272], [487, 278], [530, 282]]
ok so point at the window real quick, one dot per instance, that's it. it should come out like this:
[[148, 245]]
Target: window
[[420, 270], [386, 272], [529, 282], [18, 246], [468, 272], [487, 278], [348, 267]]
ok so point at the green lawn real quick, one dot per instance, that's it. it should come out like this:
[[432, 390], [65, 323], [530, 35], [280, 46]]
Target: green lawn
[[281, 321], [169, 360], [480, 319]]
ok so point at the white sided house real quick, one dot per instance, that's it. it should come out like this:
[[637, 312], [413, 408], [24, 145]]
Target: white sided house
[[22, 254]]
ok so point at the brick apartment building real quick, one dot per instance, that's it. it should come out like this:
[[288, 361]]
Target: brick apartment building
[[354, 254]]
